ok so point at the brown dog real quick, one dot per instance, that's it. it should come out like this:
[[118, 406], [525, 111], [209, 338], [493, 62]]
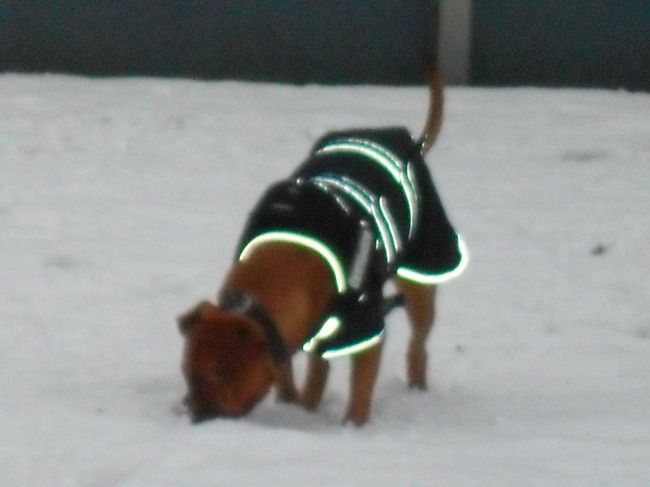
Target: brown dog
[[283, 285]]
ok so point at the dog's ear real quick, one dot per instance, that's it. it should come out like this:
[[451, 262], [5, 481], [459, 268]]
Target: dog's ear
[[190, 318]]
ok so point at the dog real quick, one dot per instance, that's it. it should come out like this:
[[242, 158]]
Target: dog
[[309, 274]]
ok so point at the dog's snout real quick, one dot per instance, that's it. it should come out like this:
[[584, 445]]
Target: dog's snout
[[201, 410], [203, 416], [207, 415]]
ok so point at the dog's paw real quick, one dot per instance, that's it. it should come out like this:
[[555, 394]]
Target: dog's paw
[[288, 396], [180, 409], [357, 417], [417, 369]]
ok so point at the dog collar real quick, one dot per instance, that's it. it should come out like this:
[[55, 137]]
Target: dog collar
[[243, 304]]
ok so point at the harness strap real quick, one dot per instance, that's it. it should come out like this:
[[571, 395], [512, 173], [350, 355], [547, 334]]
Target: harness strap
[[243, 304]]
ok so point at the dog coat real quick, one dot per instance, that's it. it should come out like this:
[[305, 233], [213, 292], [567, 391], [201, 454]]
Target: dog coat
[[365, 201]]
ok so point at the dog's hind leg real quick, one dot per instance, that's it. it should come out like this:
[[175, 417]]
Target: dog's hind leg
[[420, 307], [317, 372]]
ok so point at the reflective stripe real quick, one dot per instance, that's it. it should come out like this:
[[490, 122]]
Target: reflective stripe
[[306, 241], [412, 194], [392, 226], [361, 257], [427, 278], [356, 348], [398, 170], [349, 187], [370, 204], [331, 326]]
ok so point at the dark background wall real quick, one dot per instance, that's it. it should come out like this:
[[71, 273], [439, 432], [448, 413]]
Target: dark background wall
[[281, 40], [545, 42], [562, 42]]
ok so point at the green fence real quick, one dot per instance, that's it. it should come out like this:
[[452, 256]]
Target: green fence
[[562, 42], [544, 42], [281, 40]]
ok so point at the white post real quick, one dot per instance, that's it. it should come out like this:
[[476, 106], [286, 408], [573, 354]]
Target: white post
[[455, 40]]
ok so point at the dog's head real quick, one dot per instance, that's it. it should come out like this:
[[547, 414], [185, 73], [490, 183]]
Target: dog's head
[[226, 362]]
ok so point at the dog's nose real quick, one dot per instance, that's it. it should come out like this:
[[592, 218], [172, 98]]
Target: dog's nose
[[202, 416]]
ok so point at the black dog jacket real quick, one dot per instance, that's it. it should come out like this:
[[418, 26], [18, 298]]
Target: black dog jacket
[[364, 200]]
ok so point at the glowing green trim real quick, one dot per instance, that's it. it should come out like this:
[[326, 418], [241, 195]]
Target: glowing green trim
[[389, 161], [356, 348], [305, 241], [392, 227], [405, 176], [424, 278], [412, 196], [350, 188], [405, 179], [363, 148], [331, 326], [370, 204]]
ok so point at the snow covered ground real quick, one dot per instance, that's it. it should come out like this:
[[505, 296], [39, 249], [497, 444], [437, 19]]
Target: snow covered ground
[[121, 201]]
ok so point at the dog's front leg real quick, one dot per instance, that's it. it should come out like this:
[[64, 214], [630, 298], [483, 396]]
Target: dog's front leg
[[365, 367], [317, 372], [284, 383]]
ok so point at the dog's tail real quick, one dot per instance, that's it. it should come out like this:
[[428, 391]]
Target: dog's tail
[[434, 117]]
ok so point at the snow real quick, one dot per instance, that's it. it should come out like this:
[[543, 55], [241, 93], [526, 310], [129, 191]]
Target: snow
[[121, 201]]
